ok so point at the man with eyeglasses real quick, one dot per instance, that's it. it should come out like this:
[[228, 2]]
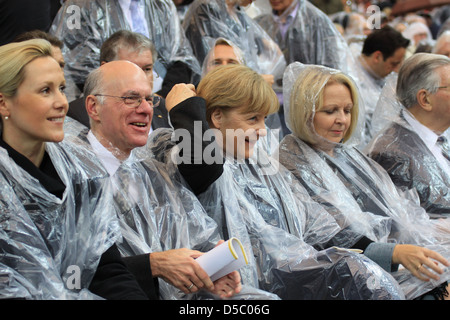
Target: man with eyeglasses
[[413, 147], [156, 226], [134, 47]]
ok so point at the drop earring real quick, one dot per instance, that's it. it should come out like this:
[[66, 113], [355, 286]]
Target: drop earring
[[6, 117]]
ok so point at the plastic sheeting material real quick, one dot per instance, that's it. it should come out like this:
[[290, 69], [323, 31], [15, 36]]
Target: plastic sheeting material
[[157, 213], [281, 263], [286, 264], [403, 154], [311, 38], [361, 195], [207, 20], [84, 25], [370, 87], [50, 247]]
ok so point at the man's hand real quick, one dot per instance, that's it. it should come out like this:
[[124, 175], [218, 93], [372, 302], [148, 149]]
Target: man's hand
[[179, 93], [269, 79], [179, 268]]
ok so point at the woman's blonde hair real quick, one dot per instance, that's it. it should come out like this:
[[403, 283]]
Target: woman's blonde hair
[[307, 98], [13, 59], [234, 86]]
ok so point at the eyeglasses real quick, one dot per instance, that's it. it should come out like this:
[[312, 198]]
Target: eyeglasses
[[134, 101], [443, 87]]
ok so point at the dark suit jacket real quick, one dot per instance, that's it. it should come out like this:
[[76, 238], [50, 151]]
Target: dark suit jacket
[[77, 111], [403, 154]]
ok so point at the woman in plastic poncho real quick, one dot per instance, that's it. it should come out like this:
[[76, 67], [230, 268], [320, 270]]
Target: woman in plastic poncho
[[58, 232], [254, 203], [208, 20], [323, 114]]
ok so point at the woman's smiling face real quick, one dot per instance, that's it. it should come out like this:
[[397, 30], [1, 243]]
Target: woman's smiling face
[[38, 109], [240, 130]]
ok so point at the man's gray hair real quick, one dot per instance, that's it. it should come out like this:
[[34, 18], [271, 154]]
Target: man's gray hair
[[94, 84], [419, 72], [125, 39], [443, 39]]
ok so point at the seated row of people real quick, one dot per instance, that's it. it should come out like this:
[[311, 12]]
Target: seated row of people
[[293, 31], [55, 235], [289, 233]]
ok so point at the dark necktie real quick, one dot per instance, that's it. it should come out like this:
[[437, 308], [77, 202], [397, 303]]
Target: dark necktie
[[443, 143]]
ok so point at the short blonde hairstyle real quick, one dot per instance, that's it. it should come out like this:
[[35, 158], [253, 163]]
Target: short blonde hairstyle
[[234, 86], [307, 98], [14, 57]]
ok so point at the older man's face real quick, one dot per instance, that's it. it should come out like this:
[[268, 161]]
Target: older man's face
[[441, 99], [124, 127], [143, 59]]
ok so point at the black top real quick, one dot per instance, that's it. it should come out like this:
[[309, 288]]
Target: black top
[[112, 279], [25, 15], [184, 115], [46, 173]]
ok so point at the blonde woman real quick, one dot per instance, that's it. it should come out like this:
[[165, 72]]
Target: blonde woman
[[57, 227], [257, 201], [323, 116]]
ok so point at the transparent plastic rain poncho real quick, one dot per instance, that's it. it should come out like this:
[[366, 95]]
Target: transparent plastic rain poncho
[[311, 37], [83, 25], [405, 156], [207, 20], [360, 194], [370, 87], [157, 213], [273, 120], [46, 242], [387, 107], [241, 201]]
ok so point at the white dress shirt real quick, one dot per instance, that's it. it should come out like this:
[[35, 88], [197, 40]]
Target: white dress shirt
[[285, 20], [110, 162], [125, 5], [429, 138]]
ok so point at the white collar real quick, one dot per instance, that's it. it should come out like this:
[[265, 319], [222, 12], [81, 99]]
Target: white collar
[[428, 136], [110, 162]]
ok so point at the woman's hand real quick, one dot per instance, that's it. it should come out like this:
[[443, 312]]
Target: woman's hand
[[421, 262], [228, 285]]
